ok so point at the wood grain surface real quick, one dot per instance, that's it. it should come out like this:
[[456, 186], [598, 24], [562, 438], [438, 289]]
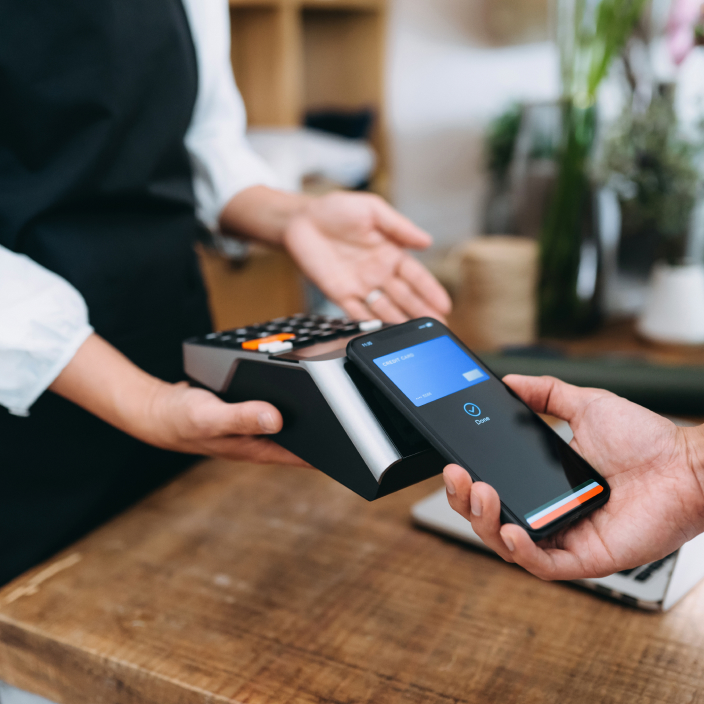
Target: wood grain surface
[[239, 583]]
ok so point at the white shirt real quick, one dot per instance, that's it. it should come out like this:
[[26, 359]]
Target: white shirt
[[43, 319]]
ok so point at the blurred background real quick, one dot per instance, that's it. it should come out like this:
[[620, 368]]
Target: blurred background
[[553, 148]]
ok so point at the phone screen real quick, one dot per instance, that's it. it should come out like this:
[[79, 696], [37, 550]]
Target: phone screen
[[484, 426]]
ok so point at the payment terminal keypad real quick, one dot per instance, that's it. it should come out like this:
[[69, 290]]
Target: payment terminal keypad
[[283, 334]]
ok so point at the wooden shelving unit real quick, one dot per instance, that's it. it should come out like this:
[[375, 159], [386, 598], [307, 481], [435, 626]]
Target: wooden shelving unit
[[291, 56]]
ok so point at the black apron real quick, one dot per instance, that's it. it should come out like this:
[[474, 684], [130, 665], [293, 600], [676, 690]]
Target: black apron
[[95, 184]]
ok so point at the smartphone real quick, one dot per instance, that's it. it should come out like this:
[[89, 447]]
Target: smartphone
[[473, 419]]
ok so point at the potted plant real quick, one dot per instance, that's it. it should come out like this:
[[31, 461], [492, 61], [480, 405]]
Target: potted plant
[[652, 165]]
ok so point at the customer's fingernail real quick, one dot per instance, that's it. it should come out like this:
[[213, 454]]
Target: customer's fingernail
[[267, 422], [476, 503], [509, 543], [449, 485]]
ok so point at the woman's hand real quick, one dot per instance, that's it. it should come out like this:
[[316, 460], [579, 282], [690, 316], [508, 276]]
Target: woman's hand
[[171, 416], [654, 470], [195, 421], [353, 247]]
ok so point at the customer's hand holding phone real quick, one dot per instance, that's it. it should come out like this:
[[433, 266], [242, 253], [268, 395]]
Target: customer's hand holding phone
[[654, 468]]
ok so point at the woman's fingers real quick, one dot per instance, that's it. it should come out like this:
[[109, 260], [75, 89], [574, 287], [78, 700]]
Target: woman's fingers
[[407, 300], [398, 228], [356, 309], [234, 430], [478, 503], [425, 285], [386, 309]]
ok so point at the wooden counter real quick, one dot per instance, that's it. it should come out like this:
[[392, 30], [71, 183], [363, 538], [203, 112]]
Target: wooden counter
[[239, 583]]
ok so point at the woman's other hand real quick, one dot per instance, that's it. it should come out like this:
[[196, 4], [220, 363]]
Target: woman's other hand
[[195, 421], [171, 416], [353, 246]]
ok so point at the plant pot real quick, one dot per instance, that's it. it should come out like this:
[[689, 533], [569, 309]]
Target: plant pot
[[674, 308]]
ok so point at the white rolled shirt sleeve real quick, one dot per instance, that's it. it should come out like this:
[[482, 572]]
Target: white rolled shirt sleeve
[[43, 322], [222, 160]]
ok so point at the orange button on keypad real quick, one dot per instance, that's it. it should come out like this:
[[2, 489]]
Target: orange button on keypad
[[254, 344]]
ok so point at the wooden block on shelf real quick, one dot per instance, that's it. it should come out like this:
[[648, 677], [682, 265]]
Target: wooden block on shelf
[[265, 53], [292, 56], [265, 286], [508, 22], [343, 58]]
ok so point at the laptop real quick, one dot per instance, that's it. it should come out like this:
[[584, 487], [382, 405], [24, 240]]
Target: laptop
[[656, 586]]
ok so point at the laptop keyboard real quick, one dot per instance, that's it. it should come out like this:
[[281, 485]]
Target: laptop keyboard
[[645, 572], [283, 334]]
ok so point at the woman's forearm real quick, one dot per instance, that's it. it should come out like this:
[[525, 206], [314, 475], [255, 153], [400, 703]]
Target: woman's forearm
[[104, 382], [261, 213]]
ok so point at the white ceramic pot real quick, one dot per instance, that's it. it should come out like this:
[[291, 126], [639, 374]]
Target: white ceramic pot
[[674, 306]]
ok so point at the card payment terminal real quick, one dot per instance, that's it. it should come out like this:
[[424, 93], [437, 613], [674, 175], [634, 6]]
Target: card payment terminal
[[333, 417]]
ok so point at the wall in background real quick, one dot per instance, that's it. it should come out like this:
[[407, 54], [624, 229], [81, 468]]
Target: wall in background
[[453, 65]]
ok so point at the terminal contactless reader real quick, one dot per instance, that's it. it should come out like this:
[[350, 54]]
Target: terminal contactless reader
[[334, 418]]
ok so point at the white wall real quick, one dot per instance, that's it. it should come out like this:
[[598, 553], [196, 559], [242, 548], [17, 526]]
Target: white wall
[[444, 83]]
